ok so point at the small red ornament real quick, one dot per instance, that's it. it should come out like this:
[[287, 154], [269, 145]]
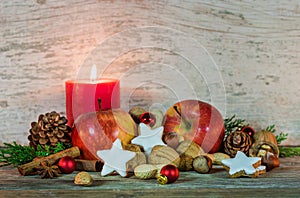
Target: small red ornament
[[168, 174], [249, 130], [148, 119], [66, 164]]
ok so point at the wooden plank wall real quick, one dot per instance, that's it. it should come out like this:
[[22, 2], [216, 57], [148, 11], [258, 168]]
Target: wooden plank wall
[[241, 56]]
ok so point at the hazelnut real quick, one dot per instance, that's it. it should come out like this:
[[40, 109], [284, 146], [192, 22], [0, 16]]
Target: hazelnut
[[202, 164], [270, 160]]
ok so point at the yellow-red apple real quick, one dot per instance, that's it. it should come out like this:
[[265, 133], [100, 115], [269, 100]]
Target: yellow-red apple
[[98, 130]]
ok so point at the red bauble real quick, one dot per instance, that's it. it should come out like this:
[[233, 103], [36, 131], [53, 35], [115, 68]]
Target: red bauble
[[148, 119], [168, 174], [66, 164], [249, 130]]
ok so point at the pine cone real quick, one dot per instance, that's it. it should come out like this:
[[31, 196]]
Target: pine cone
[[237, 141], [50, 129]]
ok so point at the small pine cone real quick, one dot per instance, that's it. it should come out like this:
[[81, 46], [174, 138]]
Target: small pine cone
[[50, 129], [237, 141]]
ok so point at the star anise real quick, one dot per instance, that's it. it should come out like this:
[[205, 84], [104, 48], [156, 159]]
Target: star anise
[[47, 170]]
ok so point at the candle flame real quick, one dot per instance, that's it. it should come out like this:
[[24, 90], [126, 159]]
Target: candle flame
[[93, 75]]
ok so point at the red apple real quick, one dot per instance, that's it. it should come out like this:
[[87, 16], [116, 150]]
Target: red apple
[[197, 121], [98, 130]]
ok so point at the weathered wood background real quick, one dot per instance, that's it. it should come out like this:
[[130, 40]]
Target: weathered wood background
[[241, 56]]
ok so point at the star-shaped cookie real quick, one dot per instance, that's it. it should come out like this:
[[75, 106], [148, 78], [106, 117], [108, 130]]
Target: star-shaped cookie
[[241, 165], [149, 137], [115, 159]]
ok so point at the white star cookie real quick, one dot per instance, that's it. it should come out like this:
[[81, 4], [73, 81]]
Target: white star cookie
[[241, 165], [149, 138], [115, 159]]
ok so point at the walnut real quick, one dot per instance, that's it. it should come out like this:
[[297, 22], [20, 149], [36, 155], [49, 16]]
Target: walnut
[[138, 159], [83, 178], [186, 163], [189, 148], [163, 155]]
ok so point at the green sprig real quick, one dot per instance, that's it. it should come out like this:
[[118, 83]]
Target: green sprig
[[280, 137], [289, 151], [16, 154], [232, 124]]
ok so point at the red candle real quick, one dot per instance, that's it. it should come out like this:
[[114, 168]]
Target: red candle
[[82, 96]]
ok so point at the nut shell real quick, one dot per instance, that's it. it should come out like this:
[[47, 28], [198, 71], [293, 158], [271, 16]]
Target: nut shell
[[202, 164], [83, 178], [138, 159], [186, 163], [218, 157], [145, 171], [189, 148], [163, 155]]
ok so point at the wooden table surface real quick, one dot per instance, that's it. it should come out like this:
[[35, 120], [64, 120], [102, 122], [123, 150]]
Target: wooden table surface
[[280, 182]]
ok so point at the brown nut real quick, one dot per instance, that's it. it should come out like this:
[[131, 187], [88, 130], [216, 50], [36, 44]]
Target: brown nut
[[163, 155], [133, 148], [186, 163], [189, 148], [83, 178], [202, 164], [145, 171], [217, 157], [270, 160], [138, 159]]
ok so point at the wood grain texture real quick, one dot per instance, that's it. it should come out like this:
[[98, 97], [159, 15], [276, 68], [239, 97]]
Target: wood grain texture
[[242, 56], [280, 182]]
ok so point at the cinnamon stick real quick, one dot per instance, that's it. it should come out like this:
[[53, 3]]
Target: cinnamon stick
[[88, 165], [29, 168]]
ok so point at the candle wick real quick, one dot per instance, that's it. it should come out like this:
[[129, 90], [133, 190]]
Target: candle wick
[[99, 104]]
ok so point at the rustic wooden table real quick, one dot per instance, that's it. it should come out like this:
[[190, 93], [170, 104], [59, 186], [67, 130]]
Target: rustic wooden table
[[280, 182]]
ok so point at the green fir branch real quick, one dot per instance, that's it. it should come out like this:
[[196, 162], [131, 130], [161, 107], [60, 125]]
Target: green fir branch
[[232, 124], [279, 137], [43, 151], [289, 151], [16, 154]]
